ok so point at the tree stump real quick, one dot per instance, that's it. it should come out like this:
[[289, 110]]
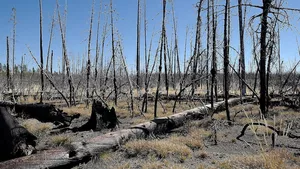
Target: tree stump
[[101, 117]]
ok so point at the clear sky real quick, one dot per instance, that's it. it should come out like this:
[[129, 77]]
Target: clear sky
[[78, 18]]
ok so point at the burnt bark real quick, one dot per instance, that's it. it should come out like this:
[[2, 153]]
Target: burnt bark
[[15, 140], [41, 112], [101, 117]]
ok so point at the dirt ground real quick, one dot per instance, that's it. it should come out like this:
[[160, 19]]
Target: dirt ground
[[207, 143]]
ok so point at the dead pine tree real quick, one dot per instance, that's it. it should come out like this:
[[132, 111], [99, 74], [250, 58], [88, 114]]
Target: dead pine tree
[[207, 48], [214, 57], [226, 60], [242, 51], [7, 64], [113, 53], [196, 53], [88, 65], [138, 46], [66, 59], [145, 101], [50, 41], [14, 15], [41, 51], [162, 44], [263, 50]]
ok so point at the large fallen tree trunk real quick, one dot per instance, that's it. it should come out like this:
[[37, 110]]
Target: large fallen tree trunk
[[80, 152], [15, 140], [41, 112]]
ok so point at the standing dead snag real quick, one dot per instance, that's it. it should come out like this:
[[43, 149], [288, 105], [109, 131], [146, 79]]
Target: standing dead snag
[[101, 117], [41, 51], [138, 46], [7, 64], [15, 140], [88, 66]]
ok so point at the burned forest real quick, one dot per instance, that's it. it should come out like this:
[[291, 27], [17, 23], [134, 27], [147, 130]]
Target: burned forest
[[150, 84]]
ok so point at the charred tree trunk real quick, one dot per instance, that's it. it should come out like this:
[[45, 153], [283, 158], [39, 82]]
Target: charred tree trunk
[[113, 53], [7, 64], [226, 61], [41, 51], [41, 112], [101, 117], [242, 52], [51, 63], [14, 44], [207, 48], [88, 66], [50, 41], [263, 50], [15, 140], [66, 59], [214, 57], [138, 46]]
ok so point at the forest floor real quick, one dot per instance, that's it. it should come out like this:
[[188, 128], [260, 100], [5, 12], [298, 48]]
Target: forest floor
[[207, 143]]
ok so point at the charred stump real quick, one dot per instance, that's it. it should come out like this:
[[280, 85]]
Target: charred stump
[[101, 117], [15, 140]]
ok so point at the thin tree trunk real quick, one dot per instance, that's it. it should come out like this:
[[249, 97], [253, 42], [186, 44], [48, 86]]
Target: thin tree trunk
[[113, 53], [145, 102], [214, 58], [14, 46], [138, 46], [22, 71], [66, 59], [41, 51], [128, 78], [242, 52], [207, 48], [88, 66], [160, 58], [7, 64], [51, 63], [226, 61], [50, 40]]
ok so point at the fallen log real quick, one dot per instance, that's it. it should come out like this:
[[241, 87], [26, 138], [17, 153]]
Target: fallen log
[[15, 140], [41, 112], [79, 152]]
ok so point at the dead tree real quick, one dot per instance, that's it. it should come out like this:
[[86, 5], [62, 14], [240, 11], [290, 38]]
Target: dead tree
[[66, 59], [41, 51], [14, 43], [15, 140], [145, 101], [196, 53], [226, 60], [113, 53], [50, 41], [138, 46], [214, 57], [207, 48], [88, 66], [263, 50], [7, 65], [160, 58], [242, 51]]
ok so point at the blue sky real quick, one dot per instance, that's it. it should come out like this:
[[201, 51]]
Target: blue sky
[[78, 17]]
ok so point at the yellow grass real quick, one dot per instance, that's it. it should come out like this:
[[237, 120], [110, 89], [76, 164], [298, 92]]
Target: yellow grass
[[275, 159], [36, 127]]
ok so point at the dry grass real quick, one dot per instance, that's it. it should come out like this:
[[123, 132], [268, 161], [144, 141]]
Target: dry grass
[[159, 148], [161, 165], [81, 109], [36, 127], [275, 159], [59, 140]]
